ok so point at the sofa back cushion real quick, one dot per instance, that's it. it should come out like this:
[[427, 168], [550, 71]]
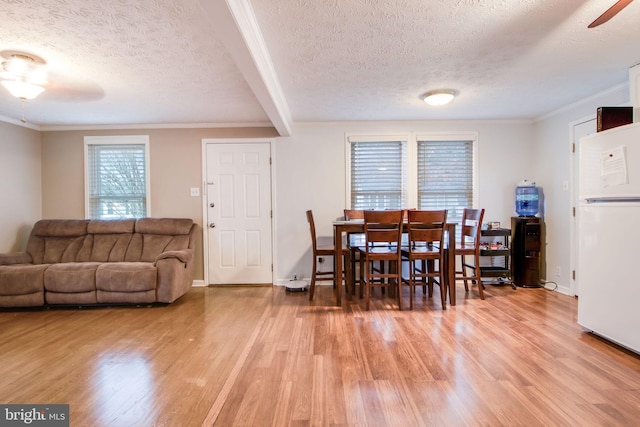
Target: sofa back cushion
[[156, 235], [107, 240], [56, 240]]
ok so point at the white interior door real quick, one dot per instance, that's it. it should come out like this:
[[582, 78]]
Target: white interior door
[[580, 129], [238, 179]]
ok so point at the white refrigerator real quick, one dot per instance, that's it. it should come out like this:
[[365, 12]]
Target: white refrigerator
[[609, 235]]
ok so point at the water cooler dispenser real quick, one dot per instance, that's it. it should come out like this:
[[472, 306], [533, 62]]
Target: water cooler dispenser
[[526, 237]]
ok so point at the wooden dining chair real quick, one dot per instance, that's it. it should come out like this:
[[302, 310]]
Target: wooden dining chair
[[324, 247], [355, 241], [383, 234], [426, 231], [469, 245]]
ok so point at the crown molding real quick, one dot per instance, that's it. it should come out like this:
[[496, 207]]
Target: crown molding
[[20, 123]]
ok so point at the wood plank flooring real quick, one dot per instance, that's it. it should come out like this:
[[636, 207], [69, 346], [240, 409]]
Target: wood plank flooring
[[260, 356]]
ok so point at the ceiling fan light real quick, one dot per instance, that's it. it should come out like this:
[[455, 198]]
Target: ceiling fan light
[[22, 90], [23, 74], [439, 97], [19, 65]]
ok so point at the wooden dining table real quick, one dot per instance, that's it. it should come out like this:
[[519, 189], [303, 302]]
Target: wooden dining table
[[340, 227]]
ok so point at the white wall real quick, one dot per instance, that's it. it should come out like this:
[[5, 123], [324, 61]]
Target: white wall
[[20, 185], [552, 160], [310, 174]]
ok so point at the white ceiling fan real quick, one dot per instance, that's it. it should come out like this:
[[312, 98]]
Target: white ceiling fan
[[26, 76], [610, 13]]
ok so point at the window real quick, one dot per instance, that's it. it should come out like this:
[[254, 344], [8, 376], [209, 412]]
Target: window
[[378, 173], [116, 177], [445, 176], [426, 172]]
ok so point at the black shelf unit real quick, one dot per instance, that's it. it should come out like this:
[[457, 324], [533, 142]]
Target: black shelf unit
[[498, 275], [526, 244]]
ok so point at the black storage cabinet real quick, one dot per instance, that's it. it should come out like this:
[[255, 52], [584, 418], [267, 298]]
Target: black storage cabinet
[[526, 245]]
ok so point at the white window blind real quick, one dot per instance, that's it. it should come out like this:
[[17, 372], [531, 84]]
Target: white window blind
[[378, 174], [116, 180], [445, 176]]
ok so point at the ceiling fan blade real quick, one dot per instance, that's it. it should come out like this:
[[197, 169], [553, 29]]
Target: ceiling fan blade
[[610, 13]]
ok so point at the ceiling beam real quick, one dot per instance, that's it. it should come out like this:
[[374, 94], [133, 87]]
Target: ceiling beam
[[237, 29]]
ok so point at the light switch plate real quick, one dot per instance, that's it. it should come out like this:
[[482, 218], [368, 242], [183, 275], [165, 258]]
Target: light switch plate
[[195, 192]]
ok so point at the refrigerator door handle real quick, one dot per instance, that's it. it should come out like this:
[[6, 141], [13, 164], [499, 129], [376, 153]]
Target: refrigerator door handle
[[612, 200]]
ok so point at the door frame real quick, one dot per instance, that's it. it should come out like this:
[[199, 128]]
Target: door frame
[[574, 165], [205, 223]]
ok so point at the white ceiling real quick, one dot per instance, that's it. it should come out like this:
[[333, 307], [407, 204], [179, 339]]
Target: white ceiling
[[257, 62]]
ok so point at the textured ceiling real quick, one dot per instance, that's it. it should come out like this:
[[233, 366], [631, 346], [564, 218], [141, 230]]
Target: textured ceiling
[[171, 62], [126, 62]]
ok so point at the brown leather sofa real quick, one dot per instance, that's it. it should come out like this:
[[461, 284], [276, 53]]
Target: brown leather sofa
[[86, 262]]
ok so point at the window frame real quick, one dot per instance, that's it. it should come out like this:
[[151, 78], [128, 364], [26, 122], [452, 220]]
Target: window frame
[[358, 138], [116, 140], [462, 137], [412, 159]]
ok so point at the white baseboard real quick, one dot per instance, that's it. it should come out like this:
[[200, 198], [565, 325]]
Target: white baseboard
[[198, 284]]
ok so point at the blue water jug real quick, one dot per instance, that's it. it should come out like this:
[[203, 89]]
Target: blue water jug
[[527, 199]]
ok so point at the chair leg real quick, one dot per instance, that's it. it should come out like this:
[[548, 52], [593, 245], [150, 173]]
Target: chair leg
[[430, 266], [464, 273], [364, 278], [367, 294], [412, 278], [362, 275], [339, 278], [443, 291], [398, 280], [476, 272], [352, 272], [345, 275], [312, 285]]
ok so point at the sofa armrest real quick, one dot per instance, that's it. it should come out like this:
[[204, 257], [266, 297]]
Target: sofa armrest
[[15, 258], [175, 274], [184, 255]]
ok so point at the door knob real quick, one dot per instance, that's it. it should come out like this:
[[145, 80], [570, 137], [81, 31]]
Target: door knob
[[212, 225], [211, 205]]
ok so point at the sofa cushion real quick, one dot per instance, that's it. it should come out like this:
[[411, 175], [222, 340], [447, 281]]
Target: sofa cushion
[[107, 240], [166, 226], [154, 236], [144, 297], [21, 285], [126, 277], [35, 299], [75, 298], [111, 226], [71, 277], [22, 279], [56, 240], [60, 227]]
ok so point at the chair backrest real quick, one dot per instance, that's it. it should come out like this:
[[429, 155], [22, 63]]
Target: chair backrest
[[426, 228], [312, 228], [471, 226], [353, 214], [383, 227]]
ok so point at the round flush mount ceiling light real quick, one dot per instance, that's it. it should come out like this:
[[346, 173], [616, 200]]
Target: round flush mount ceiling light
[[439, 97]]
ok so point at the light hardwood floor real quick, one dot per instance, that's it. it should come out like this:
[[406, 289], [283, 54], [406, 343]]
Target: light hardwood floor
[[259, 356]]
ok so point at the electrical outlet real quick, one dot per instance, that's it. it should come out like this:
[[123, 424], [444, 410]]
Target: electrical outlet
[[558, 271], [195, 192]]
